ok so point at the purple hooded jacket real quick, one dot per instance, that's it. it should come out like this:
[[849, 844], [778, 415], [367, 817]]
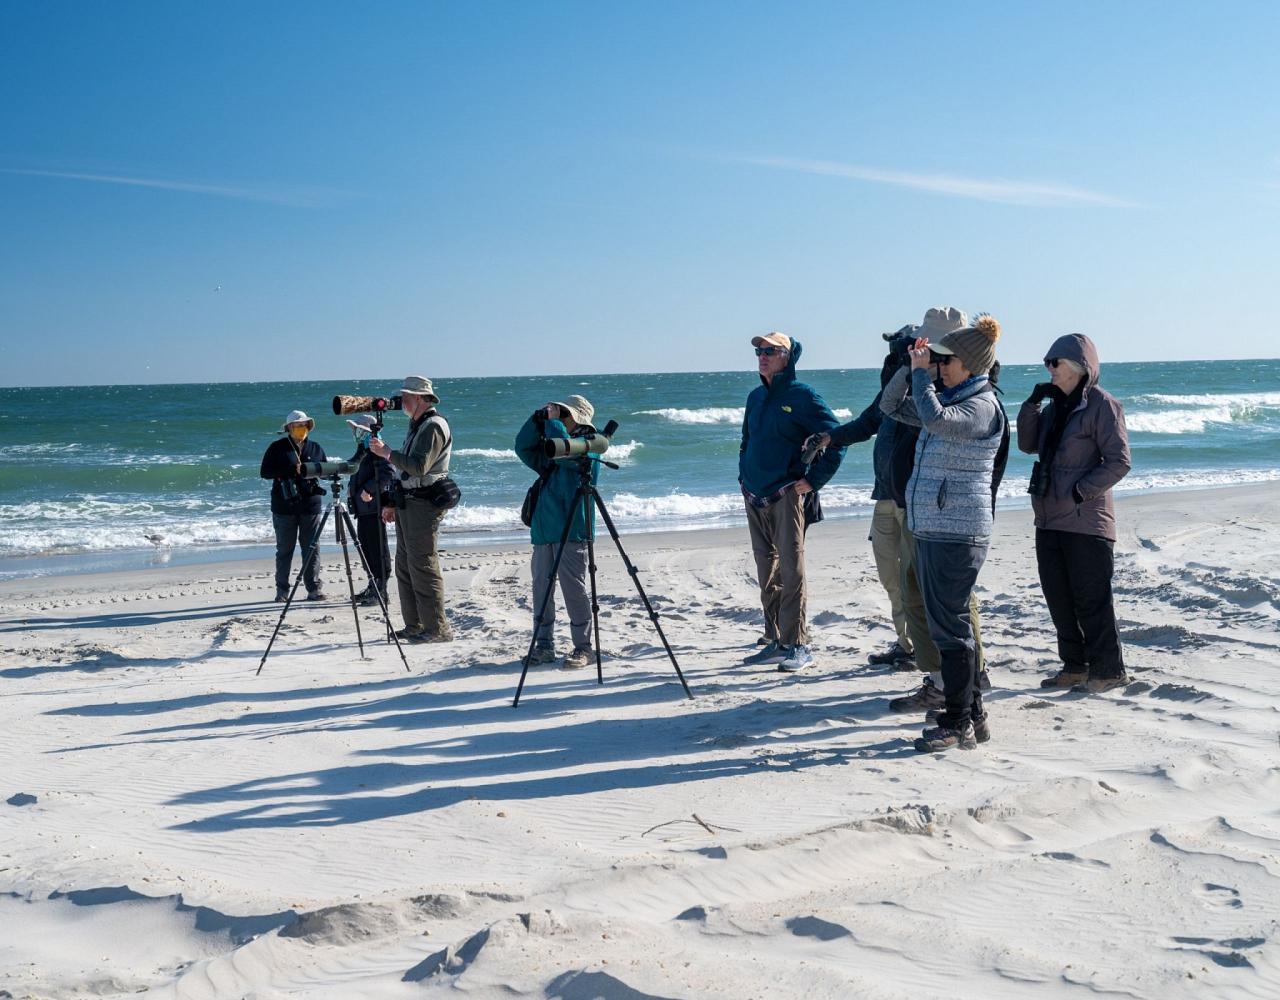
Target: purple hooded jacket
[[1092, 456]]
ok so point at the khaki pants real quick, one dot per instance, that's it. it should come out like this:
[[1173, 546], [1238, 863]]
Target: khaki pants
[[927, 657], [418, 575], [886, 546], [777, 542]]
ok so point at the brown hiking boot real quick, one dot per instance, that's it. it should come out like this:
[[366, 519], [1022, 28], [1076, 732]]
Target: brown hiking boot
[[1065, 679], [1099, 685]]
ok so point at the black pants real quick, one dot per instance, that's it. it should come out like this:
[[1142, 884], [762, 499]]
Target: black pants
[[1075, 575], [946, 572], [373, 540]]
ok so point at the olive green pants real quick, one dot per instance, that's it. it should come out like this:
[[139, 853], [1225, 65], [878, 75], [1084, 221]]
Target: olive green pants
[[418, 576]]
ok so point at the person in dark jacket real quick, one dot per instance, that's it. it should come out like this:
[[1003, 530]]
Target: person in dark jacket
[[369, 491], [781, 413], [886, 524], [951, 507], [558, 491], [296, 508], [1082, 450]]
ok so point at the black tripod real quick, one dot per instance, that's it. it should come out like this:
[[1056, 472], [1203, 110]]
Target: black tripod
[[585, 495], [344, 526]]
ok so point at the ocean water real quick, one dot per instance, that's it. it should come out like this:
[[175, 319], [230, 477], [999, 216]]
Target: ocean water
[[87, 474]]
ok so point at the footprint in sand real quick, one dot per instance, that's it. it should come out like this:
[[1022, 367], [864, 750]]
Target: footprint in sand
[[1219, 897]]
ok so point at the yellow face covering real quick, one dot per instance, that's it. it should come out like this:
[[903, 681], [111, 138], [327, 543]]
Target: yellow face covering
[[299, 433]]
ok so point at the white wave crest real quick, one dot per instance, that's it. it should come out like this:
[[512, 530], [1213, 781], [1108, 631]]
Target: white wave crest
[[713, 414], [1182, 421], [491, 454], [1230, 399]]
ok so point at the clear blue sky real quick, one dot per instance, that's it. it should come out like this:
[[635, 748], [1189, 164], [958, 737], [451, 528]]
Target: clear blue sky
[[251, 191]]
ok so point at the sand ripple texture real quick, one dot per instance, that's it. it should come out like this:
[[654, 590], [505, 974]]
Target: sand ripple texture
[[178, 827]]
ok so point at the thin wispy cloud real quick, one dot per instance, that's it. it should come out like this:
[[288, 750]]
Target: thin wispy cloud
[[294, 196], [997, 190]]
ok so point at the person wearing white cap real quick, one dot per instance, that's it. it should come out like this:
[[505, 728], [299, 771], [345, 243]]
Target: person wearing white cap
[[295, 502], [422, 463], [369, 491]]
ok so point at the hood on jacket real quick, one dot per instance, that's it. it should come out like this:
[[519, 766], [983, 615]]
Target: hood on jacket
[[788, 374], [1078, 348]]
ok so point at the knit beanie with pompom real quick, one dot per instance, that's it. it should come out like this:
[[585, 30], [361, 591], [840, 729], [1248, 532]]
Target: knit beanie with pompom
[[975, 345]]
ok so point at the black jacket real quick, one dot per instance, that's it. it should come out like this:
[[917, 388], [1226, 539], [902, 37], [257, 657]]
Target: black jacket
[[371, 468], [278, 464]]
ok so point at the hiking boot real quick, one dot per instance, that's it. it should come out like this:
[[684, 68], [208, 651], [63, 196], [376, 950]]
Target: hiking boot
[[772, 653], [445, 636], [1099, 685], [316, 595], [370, 598], [282, 595], [925, 698], [764, 640], [944, 738], [797, 659], [1065, 678], [407, 634], [539, 656], [891, 655], [981, 725], [580, 657], [906, 663]]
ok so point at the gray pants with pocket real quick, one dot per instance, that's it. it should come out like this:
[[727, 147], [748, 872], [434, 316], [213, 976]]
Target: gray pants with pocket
[[572, 577], [290, 530]]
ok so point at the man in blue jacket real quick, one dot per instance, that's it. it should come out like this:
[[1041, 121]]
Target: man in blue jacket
[[558, 492], [781, 413]]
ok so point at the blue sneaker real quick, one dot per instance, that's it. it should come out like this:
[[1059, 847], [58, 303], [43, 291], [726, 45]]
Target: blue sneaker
[[797, 659], [772, 653]]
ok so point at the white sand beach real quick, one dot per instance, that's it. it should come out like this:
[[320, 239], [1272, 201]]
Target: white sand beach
[[176, 826]]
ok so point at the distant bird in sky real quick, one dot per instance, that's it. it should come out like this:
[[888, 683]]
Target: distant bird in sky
[[217, 288]]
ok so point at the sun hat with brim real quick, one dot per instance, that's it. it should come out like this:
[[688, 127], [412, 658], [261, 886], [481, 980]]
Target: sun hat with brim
[[364, 421], [297, 417], [940, 321], [579, 408], [416, 385], [774, 339]]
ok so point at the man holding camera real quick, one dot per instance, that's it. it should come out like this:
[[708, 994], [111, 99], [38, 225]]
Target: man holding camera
[[781, 413], [422, 463], [556, 491], [295, 502]]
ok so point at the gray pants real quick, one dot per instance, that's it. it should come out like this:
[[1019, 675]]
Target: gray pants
[[290, 529], [418, 576], [777, 542], [572, 576], [947, 572], [886, 546]]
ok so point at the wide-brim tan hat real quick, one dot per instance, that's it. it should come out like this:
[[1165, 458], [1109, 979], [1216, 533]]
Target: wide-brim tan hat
[[940, 321], [579, 408], [416, 385], [297, 417], [774, 339]]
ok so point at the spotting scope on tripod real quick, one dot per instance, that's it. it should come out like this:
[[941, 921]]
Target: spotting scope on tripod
[[584, 452]]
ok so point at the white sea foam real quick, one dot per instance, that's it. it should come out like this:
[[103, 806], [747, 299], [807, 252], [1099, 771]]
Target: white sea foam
[[1230, 399], [1181, 421], [713, 414], [617, 453]]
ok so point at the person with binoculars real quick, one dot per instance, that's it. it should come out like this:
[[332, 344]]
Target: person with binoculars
[[295, 502], [550, 499], [1082, 450], [423, 495]]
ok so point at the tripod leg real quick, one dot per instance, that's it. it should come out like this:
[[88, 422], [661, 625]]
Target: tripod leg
[[382, 601], [546, 597], [346, 559], [635, 578], [293, 590], [595, 603]]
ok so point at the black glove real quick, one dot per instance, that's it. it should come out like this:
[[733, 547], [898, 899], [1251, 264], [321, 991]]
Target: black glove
[[1042, 391]]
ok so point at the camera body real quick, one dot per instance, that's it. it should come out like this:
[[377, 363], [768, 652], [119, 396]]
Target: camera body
[[1038, 486], [900, 343]]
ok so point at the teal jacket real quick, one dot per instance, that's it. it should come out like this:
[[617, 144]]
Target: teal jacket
[[778, 419], [559, 490]]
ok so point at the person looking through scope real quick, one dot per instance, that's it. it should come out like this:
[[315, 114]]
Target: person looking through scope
[[370, 492], [295, 502], [547, 509], [424, 494]]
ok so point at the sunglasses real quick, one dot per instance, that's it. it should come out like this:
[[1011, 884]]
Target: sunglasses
[[768, 352], [941, 359], [1052, 362]]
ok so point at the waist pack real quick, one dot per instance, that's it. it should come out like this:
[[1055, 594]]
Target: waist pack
[[443, 494], [531, 502]]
